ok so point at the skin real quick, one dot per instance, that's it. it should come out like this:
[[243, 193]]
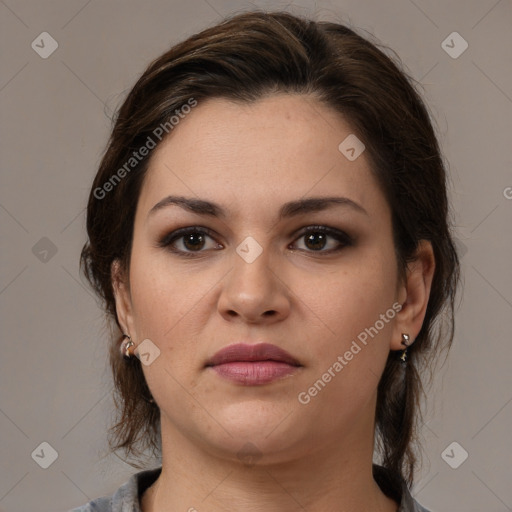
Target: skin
[[251, 159]]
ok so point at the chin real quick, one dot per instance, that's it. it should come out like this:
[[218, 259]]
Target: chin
[[253, 450], [265, 425]]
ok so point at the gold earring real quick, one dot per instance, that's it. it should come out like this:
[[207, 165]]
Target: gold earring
[[125, 347]]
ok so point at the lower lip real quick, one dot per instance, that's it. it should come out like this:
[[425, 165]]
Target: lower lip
[[254, 373]]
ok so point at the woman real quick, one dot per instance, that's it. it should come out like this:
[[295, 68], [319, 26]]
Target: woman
[[268, 229]]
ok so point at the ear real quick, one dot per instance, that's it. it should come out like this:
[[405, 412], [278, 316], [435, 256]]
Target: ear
[[414, 294], [124, 309]]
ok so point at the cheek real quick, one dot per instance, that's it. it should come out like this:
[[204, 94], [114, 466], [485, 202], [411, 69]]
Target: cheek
[[354, 298], [166, 305], [171, 306], [356, 309], [157, 303], [346, 365]]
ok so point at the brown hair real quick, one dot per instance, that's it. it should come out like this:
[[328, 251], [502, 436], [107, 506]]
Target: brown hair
[[245, 57]]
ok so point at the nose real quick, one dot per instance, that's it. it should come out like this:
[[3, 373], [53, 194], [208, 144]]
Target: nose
[[254, 292]]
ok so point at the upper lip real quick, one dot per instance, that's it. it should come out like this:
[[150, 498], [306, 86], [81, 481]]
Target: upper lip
[[244, 352]]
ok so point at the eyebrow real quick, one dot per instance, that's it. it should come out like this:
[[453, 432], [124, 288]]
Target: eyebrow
[[290, 209]]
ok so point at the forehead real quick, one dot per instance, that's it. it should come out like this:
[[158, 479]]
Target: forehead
[[280, 147], [219, 128]]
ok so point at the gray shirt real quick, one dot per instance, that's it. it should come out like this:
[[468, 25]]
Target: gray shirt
[[127, 497]]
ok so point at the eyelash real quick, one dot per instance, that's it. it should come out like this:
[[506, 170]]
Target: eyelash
[[167, 241]]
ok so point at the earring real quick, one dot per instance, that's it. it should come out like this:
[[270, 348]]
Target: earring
[[149, 400], [125, 347], [405, 342], [125, 352]]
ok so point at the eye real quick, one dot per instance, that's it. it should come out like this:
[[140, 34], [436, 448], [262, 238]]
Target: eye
[[187, 241], [191, 241], [316, 239]]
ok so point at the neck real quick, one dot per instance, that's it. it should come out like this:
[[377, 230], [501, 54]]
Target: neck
[[333, 478]]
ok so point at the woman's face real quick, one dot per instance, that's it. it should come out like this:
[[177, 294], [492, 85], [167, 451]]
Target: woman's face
[[252, 275]]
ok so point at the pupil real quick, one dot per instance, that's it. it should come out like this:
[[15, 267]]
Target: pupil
[[194, 241], [320, 240]]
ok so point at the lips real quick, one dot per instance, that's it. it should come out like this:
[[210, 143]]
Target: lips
[[242, 352], [253, 365]]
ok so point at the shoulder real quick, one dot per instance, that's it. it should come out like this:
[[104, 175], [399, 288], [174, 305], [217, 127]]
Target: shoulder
[[409, 504], [127, 497], [103, 504], [395, 487], [416, 507]]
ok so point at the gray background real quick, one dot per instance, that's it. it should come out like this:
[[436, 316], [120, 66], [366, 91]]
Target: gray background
[[54, 380]]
